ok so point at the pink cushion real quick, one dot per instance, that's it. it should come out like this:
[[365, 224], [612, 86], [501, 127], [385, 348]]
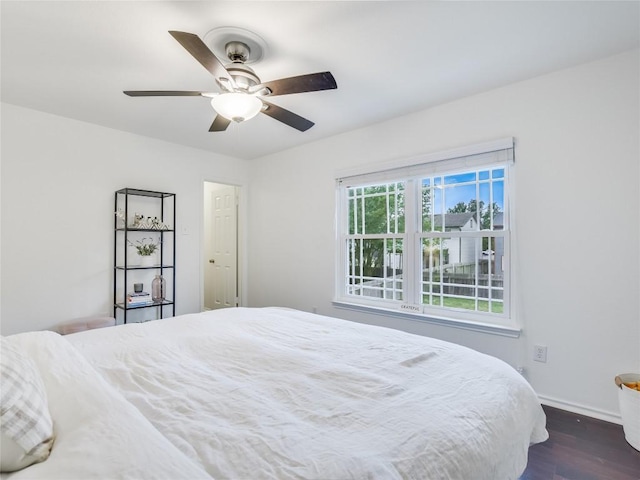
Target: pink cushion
[[86, 323]]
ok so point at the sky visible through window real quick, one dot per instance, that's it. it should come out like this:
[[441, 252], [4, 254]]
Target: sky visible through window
[[461, 188]]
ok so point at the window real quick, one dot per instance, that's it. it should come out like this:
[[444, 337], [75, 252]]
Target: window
[[431, 238]]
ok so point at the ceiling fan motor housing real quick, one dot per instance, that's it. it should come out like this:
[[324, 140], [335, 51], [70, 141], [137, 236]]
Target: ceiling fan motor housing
[[243, 75]]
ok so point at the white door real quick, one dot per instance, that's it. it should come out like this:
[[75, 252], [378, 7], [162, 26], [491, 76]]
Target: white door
[[221, 266]]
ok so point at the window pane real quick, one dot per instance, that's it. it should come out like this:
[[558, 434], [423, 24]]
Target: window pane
[[376, 209], [432, 204], [375, 214], [460, 178], [498, 207], [479, 195], [460, 198], [393, 269], [400, 210], [433, 257], [354, 215], [375, 268], [457, 274]]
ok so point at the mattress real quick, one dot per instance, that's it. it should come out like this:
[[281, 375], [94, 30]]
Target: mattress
[[269, 393]]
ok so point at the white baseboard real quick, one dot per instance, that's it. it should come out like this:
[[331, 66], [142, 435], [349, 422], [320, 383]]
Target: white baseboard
[[611, 417]]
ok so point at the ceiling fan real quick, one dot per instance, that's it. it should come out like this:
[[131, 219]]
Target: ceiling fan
[[241, 95]]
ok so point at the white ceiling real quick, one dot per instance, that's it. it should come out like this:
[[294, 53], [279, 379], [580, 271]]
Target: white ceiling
[[389, 58]]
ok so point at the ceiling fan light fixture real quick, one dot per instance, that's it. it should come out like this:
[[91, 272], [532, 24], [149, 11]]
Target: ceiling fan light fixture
[[236, 106], [240, 85]]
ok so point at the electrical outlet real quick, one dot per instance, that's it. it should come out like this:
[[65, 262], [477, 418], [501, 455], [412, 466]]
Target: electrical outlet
[[540, 353]]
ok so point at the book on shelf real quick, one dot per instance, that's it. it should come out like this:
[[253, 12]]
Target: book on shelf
[[139, 294], [135, 299], [138, 304]]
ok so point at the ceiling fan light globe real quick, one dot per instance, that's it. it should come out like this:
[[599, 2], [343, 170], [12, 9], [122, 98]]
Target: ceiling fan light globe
[[238, 107]]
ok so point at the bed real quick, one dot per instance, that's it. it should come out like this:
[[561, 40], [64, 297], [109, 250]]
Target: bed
[[271, 393]]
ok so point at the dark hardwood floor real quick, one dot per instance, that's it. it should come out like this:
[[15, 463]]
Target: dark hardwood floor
[[582, 448]]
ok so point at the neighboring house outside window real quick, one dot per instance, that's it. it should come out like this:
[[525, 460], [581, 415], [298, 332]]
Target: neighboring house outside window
[[430, 239], [462, 250]]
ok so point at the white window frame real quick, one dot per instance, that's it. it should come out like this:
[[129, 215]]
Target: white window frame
[[499, 153]]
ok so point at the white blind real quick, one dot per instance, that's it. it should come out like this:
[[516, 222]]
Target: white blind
[[499, 152]]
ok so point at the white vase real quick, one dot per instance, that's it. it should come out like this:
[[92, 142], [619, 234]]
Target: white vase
[[147, 260]]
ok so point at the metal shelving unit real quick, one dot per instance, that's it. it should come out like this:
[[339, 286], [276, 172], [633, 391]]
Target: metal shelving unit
[[131, 201]]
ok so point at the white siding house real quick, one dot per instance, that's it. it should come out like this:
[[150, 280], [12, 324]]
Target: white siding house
[[457, 250]]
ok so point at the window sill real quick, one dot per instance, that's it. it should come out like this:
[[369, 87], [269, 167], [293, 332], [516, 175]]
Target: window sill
[[493, 329]]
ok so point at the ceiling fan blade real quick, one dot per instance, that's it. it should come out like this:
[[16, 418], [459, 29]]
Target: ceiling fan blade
[[202, 54], [288, 118], [161, 93], [312, 82], [219, 124]]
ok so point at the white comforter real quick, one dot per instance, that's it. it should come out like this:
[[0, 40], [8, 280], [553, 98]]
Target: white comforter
[[278, 394], [98, 434]]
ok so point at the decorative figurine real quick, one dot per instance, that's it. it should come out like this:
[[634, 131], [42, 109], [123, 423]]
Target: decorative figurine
[[138, 221]]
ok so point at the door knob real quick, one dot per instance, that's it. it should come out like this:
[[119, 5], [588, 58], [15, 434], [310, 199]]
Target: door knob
[[211, 260]]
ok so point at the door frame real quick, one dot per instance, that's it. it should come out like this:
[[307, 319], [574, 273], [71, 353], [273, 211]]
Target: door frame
[[241, 247]]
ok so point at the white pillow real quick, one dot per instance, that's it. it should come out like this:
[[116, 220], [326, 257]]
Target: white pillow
[[25, 423]]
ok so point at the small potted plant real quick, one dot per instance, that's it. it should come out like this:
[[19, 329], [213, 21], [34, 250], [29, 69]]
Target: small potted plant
[[146, 248]]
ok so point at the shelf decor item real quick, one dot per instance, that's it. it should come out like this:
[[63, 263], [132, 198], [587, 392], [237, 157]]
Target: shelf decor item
[[146, 249], [137, 299], [158, 289], [141, 223], [138, 221], [147, 260], [146, 246], [122, 219]]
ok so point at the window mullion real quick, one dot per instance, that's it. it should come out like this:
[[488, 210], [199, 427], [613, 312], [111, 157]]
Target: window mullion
[[355, 212], [478, 209], [507, 287], [409, 243], [478, 245], [491, 213], [363, 228], [388, 209], [490, 260], [478, 255]]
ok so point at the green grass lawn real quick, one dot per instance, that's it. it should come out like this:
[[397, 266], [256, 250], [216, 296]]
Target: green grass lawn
[[466, 304]]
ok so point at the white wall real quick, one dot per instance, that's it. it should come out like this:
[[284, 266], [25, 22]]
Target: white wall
[[577, 182], [58, 182]]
